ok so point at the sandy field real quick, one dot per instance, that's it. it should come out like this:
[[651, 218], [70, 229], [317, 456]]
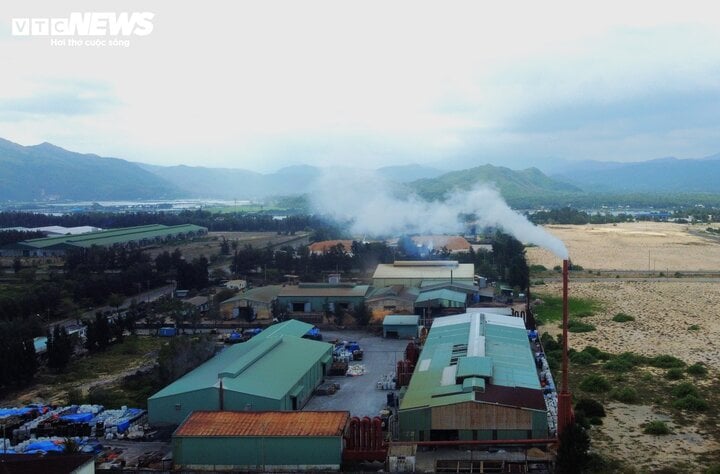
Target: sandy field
[[663, 311], [654, 246]]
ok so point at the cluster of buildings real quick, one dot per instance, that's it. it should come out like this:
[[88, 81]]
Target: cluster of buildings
[[425, 288]]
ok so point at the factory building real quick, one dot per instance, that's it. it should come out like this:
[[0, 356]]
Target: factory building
[[260, 441], [127, 236], [299, 300], [414, 273], [475, 379], [401, 326], [275, 370], [253, 304]]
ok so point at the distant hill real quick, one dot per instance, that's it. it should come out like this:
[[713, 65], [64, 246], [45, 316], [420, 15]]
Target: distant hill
[[45, 172], [515, 186], [408, 173], [660, 175]]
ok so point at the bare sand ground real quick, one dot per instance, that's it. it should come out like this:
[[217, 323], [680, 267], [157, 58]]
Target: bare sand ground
[[664, 311], [654, 246], [674, 316]]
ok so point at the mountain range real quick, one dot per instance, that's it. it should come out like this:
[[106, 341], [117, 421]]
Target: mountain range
[[47, 172]]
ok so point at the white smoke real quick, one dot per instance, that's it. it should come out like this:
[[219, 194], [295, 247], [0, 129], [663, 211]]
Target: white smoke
[[369, 202]]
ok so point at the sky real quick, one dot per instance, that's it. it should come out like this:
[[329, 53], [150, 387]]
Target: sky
[[452, 84]]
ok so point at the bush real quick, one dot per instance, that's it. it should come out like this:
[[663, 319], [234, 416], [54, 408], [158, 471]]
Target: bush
[[666, 362], [75, 396], [549, 343], [619, 365], [622, 318], [691, 403], [656, 427], [697, 369], [582, 358], [537, 268], [590, 407], [674, 374], [596, 421], [625, 395], [597, 353], [684, 389], [579, 326], [595, 384], [693, 327]]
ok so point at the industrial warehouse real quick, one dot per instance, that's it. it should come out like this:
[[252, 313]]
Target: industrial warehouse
[[139, 236], [475, 380], [275, 370]]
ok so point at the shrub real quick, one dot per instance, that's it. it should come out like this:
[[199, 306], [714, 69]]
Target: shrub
[[674, 374], [684, 389], [666, 362], [596, 421], [657, 428], [75, 396], [549, 343], [582, 358], [579, 326], [622, 318], [590, 407], [619, 365], [537, 268], [625, 395], [693, 327], [697, 369], [595, 384], [597, 353], [691, 403]]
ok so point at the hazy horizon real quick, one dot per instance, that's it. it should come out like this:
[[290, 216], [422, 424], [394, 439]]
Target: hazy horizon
[[266, 85]]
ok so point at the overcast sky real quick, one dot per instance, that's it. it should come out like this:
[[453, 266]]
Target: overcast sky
[[266, 84]]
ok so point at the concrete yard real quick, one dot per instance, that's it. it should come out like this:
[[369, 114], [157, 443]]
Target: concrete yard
[[359, 395]]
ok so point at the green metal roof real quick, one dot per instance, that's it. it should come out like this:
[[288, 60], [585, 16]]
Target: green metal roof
[[401, 320], [443, 294], [268, 365], [468, 352], [110, 237]]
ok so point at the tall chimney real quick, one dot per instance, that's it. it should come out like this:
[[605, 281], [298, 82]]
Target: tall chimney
[[565, 414]]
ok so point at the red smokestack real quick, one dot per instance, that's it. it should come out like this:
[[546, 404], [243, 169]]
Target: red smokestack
[[565, 414]]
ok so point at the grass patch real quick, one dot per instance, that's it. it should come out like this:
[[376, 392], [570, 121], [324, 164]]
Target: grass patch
[[657, 428], [595, 384], [116, 358], [622, 318], [582, 358], [684, 389], [551, 308], [578, 326]]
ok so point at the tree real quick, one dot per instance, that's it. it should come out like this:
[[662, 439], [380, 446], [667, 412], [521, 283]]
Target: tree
[[362, 315], [59, 348], [17, 265], [573, 454]]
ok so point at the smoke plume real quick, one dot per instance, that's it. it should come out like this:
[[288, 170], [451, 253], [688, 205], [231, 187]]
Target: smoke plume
[[374, 209]]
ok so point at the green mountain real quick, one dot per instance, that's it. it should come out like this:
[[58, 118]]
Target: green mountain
[[47, 172], [517, 187]]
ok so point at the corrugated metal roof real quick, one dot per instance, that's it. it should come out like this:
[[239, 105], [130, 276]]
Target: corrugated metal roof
[[401, 320], [452, 340], [257, 359], [444, 294], [262, 294], [357, 291], [450, 242], [425, 270], [269, 423], [113, 236]]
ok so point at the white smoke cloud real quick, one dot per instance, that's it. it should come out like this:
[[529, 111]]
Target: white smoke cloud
[[367, 200]]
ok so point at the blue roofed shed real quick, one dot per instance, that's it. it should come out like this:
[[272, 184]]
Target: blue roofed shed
[[400, 326]]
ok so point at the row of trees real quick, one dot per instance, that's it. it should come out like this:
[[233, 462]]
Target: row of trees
[[569, 215]]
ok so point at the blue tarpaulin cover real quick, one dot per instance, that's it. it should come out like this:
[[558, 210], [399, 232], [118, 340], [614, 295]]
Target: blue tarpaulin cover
[[78, 417]]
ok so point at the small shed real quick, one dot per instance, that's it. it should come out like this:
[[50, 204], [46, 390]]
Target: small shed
[[400, 326], [260, 441]]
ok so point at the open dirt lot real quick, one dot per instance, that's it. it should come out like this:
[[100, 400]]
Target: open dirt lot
[[674, 316], [654, 246]]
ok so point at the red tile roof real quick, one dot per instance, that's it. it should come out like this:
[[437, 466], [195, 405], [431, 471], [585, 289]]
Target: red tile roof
[[264, 423]]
